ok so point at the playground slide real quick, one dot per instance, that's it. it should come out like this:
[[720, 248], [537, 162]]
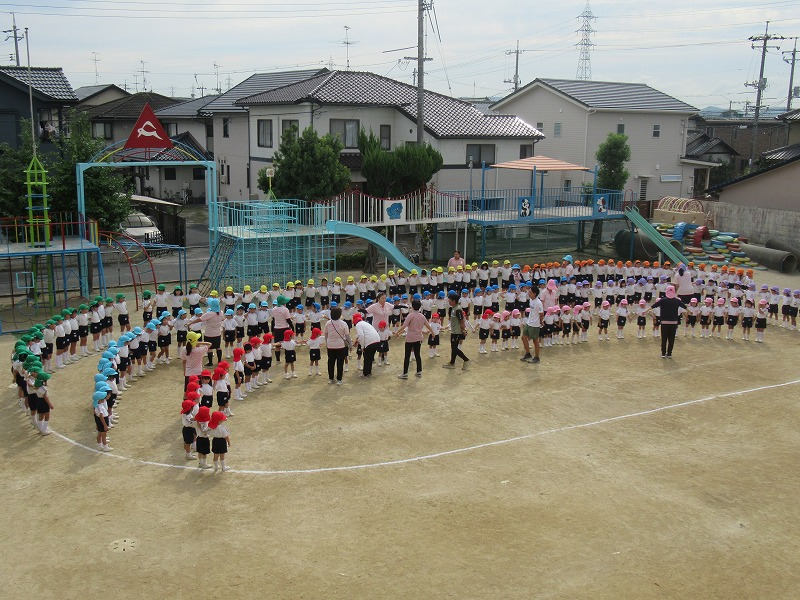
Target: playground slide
[[389, 249], [652, 233]]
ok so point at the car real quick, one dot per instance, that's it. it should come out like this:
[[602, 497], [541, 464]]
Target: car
[[141, 228]]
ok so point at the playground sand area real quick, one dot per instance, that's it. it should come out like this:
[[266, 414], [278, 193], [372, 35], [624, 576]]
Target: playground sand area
[[603, 472]]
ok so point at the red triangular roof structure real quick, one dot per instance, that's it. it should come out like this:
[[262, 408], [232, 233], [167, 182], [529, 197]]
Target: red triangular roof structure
[[148, 132]]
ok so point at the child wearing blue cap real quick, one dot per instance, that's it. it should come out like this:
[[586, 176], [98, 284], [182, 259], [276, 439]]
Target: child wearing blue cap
[[101, 420], [262, 317], [299, 320], [229, 332], [180, 325], [251, 320], [164, 339]]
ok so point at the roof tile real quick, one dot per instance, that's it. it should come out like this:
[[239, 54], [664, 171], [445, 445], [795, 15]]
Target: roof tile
[[49, 81], [260, 82]]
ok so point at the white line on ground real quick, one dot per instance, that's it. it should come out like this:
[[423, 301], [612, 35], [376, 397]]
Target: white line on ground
[[402, 461]]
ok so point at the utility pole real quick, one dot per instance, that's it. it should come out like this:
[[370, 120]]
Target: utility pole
[[790, 62], [515, 81], [420, 71], [586, 30], [12, 33], [95, 60], [760, 85]]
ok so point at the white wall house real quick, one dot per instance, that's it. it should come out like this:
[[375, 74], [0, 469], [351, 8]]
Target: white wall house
[[577, 116], [342, 102], [230, 124]]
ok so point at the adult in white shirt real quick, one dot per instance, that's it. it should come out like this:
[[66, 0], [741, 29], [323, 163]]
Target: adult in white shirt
[[530, 331], [682, 280], [369, 340]]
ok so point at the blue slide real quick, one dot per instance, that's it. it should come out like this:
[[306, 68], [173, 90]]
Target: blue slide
[[391, 251]]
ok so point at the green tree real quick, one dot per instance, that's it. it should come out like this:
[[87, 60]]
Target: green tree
[[13, 162], [107, 193], [611, 158], [306, 167], [724, 172]]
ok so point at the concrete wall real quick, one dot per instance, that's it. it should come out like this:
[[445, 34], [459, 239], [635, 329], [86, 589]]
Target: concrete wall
[[778, 189], [756, 223]]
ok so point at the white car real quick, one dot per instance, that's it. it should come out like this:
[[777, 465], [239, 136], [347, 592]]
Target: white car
[[141, 228]]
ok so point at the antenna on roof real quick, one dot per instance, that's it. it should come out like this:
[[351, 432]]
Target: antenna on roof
[[347, 42], [217, 89], [144, 76]]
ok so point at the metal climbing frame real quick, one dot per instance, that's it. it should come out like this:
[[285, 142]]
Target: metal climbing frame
[[269, 241]]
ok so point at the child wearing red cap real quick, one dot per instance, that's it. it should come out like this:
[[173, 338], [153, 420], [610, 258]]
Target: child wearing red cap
[[484, 330], [188, 410], [289, 346], [238, 372], [221, 390], [202, 443], [206, 390], [315, 350], [220, 439], [266, 359], [255, 378], [249, 362]]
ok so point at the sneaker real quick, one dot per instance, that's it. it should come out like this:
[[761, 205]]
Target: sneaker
[[403, 376], [534, 360], [331, 381], [225, 468], [339, 382], [448, 366], [386, 362], [418, 373], [663, 356], [527, 357], [465, 366], [669, 356], [204, 466], [106, 448], [191, 456], [294, 375]]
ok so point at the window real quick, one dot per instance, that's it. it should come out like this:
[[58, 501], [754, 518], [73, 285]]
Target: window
[[540, 126], [620, 127], [287, 124], [478, 153], [170, 174], [209, 129], [643, 189], [525, 150], [346, 130], [171, 129], [226, 127], [567, 185], [101, 131], [386, 137], [198, 173], [557, 130], [264, 133], [656, 131]]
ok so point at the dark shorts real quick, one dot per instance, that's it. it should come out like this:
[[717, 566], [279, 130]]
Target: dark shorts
[[265, 363], [219, 446], [621, 321], [123, 319], [61, 343], [223, 398], [83, 331], [230, 336], [433, 340], [483, 334], [188, 435], [253, 330], [239, 333], [314, 354], [719, 321], [300, 329], [761, 323], [203, 445], [152, 345], [42, 406], [214, 341], [603, 324], [164, 341], [733, 321], [181, 336], [96, 327], [99, 421], [291, 356], [747, 322]]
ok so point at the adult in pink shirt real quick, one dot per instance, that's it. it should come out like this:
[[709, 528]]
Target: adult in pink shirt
[[380, 310], [212, 328], [414, 324], [549, 296], [456, 261], [192, 356]]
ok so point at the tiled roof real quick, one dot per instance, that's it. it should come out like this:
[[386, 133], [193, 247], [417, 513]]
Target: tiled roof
[[791, 116], [187, 139], [775, 165], [130, 107], [702, 143], [50, 82], [784, 153], [260, 82], [612, 95], [87, 91], [445, 117], [186, 110]]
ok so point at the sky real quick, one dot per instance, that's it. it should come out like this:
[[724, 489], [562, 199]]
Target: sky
[[697, 52]]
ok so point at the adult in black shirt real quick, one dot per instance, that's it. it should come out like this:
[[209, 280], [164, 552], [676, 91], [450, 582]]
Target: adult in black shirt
[[669, 305]]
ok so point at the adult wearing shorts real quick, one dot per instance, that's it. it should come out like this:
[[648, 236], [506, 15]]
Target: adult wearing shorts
[[532, 326]]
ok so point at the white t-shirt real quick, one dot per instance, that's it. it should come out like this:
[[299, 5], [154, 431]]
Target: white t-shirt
[[537, 308]]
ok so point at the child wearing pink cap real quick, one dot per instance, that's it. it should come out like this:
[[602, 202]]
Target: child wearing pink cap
[[549, 327], [586, 321], [603, 316], [719, 318], [566, 325], [732, 317], [220, 439], [505, 329], [762, 314], [691, 318], [706, 312], [641, 319], [748, 315], [516, 328], [622, 318], [496, 328]]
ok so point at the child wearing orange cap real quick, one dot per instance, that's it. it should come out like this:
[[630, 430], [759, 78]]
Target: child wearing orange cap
[[201, 440], [188, 409], [220, 439], [314, 344]]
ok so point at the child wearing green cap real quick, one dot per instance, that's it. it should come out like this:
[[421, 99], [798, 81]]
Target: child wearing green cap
[[44, 405], [121, 308]]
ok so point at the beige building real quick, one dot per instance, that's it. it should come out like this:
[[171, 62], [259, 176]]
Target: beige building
[[577, 116]]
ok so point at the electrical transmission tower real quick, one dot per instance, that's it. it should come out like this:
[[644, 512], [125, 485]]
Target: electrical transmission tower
[[586, 30]]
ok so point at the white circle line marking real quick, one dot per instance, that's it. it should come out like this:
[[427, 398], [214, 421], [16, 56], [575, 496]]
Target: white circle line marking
[[402, 461]]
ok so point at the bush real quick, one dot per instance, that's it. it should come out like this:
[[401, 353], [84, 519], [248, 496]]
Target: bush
[[354, 260]]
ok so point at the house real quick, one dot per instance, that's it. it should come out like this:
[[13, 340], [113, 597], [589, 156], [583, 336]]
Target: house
[[113, 121], [52, 96], [230, 123], [792, 148], [702, 147], [737, 132], [95, 95], [577, 117], [343, 102]]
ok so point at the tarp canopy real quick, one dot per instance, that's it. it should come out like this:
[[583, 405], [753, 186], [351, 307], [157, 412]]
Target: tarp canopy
[[539, 163]]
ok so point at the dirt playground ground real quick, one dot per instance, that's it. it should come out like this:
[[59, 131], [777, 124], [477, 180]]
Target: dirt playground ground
[[604, 472]]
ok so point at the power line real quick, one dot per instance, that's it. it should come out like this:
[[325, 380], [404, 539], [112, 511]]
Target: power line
[[16, 38], [761, 84]]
